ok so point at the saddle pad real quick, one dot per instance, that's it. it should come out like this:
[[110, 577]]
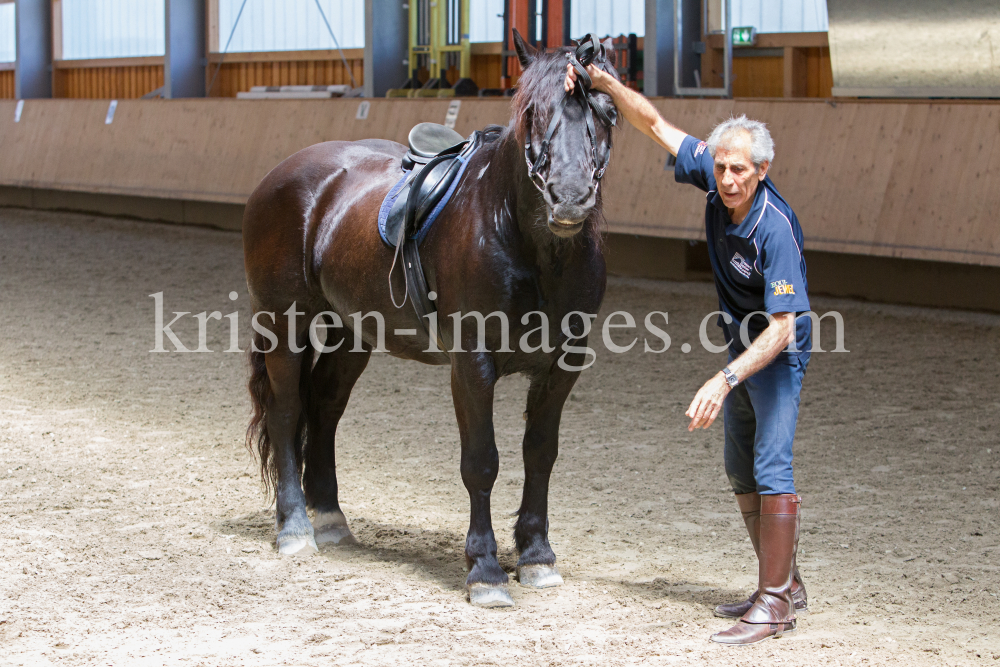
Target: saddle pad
[[423, 226]]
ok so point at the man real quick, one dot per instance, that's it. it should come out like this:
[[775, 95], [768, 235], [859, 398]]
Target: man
[[755, 246]]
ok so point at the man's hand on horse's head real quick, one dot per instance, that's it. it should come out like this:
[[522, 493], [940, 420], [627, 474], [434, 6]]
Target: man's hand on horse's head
[[601, 79]]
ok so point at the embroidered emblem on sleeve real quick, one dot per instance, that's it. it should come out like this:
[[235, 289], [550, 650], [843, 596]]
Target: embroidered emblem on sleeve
[[700, 148], [741, 265], [782, 287]]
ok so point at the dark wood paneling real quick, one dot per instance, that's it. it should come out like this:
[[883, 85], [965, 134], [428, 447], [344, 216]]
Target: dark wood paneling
[[119, 83], [758, 77], [241, 76]]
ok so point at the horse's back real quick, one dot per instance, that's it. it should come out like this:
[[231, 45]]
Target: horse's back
[[327, 190]]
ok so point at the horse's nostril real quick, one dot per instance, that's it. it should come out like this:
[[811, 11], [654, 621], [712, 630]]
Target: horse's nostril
[[552, 194]]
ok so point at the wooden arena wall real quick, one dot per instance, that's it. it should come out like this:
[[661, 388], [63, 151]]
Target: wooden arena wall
[[910, 180]]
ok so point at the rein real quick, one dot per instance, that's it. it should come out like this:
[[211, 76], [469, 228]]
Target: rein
[[585, 54]]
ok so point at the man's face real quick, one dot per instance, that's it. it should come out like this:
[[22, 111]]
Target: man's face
[[735, 174]]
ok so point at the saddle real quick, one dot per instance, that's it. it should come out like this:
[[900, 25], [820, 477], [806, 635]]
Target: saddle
[[433, 166], [437, 157]]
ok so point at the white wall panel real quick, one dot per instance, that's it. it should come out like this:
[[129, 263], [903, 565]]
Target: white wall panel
[[112, 28], [8, 35], [486, 21], [607, 17], [781, 15], [291, 25]]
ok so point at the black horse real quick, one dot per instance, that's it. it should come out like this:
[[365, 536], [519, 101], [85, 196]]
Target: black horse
[[508, 241]]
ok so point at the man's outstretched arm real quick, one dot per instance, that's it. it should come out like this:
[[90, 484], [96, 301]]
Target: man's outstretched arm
[[633, 106]]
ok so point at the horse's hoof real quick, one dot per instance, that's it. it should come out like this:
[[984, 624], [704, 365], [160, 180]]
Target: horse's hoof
[[337, 535], [489, 596], [539, 576], [297, 545], [331, 528]]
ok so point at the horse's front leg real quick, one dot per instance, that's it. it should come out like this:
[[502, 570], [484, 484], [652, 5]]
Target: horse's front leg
[[536, 566], [472, 380]]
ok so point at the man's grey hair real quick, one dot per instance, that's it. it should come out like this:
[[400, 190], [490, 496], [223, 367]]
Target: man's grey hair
[[761, 143]]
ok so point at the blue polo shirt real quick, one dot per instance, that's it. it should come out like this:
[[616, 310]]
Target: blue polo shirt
[[758, 264]]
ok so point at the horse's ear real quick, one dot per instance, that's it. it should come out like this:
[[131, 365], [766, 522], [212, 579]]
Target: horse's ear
[[610, 54], [525, 53]]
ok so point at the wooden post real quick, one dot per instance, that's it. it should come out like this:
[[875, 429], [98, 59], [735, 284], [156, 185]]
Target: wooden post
[[795, 72]]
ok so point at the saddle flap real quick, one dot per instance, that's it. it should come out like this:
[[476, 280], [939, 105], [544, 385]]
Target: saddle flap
[[433, 188], [429, 139]]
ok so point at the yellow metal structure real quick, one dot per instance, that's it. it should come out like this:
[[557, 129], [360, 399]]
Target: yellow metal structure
[[431, 43]]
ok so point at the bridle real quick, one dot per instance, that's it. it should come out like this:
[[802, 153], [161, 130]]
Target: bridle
[[586, 52]]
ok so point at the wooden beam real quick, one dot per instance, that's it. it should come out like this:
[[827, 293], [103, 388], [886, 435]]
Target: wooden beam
[[796, 73], [212, 26], [57, 36], [285, 56], [91, 63], [777, 40], [486, 48]]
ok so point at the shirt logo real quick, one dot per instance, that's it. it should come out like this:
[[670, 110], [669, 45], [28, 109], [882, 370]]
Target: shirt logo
[[700, 148], [782, 287], [742, 265]]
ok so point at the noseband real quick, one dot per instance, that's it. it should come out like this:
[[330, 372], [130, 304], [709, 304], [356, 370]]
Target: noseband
[[584, 55]]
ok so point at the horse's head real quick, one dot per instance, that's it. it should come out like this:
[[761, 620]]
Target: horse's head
[[567, 138]]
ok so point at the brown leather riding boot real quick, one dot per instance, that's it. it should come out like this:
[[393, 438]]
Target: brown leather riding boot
[[750, 508], [773, 612]]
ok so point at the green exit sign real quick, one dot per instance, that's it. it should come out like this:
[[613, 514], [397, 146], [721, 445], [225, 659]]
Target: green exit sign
[[745, 36]]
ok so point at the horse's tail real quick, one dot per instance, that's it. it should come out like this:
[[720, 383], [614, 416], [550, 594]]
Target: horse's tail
[[257, 440]]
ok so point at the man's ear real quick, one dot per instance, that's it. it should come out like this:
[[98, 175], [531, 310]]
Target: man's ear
[[762, 169], [525, 54], [609, 52]]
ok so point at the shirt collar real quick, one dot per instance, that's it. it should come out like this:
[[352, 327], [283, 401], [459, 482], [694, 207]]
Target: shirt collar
[[745, 228]]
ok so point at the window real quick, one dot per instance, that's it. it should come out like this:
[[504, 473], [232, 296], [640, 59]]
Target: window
[[290, 25], [784, 16], [112, 28], [8, 35], [607, 17], [486, 21]]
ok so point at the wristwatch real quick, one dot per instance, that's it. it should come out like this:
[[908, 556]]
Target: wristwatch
[[731, 378]]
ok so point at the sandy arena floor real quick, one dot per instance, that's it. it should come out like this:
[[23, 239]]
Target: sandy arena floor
[[134, 531]]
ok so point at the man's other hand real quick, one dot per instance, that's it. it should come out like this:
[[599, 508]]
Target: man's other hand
[[708, 402]]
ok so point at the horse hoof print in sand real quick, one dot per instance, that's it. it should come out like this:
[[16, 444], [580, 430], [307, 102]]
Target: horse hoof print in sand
[[508, 227]]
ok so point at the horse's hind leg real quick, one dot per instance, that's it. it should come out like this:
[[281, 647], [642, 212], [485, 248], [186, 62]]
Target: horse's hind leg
[[284, 427], [331, 381], [536, 566]]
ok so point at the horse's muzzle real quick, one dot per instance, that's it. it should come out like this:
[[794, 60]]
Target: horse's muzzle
[[569, 207], [565, 228]]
